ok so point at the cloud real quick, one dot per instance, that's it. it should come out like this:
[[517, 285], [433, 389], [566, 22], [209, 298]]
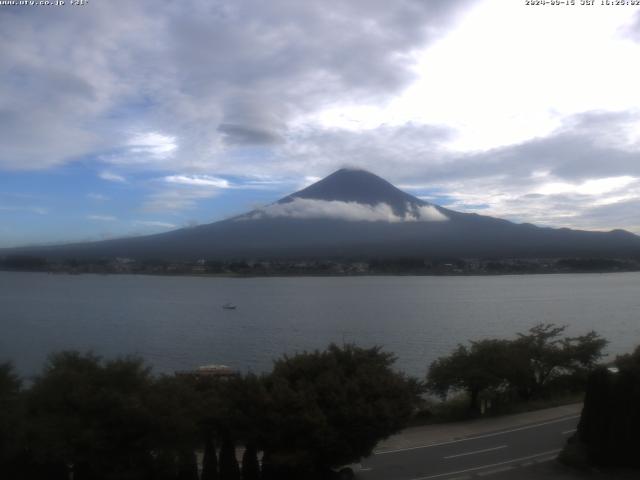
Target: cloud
[[427, 213], [112, 177], [198, 180], [285, 89], [171, 200], [394, 152], [153, 143], [242, 135], [306, 208], [102, 218], [598, 186], [633, 29], [195, 82], [153, 223]]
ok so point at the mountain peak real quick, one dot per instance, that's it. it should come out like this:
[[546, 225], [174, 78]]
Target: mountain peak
[[356, 185]]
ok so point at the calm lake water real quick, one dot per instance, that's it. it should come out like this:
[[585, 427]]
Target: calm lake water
[[177, 322]]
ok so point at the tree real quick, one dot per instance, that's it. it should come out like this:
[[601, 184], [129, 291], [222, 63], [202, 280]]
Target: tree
[[526, 365], [250, 465], [542, 352], [480, 368], [175, 407], [610, 420], [332, 407], [232, 408], [583, 352], [542, 355], [92, 415], [187, 465], [229, 468], [12, 423], [209, 459]]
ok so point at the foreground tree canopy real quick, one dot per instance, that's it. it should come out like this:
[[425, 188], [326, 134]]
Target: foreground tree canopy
[[114, 420], [532, 365], [610, 421], [336, 404]]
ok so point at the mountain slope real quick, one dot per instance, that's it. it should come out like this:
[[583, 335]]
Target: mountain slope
[[350, 185], [355, 214]]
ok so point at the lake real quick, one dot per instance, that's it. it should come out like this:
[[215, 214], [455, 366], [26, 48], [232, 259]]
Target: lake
[[177, 323]]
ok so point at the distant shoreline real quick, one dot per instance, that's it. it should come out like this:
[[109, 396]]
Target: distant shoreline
[[395, 266], [322, 275]]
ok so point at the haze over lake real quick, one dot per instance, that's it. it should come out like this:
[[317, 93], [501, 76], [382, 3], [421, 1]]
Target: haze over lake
[[177, 323]]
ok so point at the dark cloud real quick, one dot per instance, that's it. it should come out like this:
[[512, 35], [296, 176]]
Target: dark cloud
[[88, 77], [590, 145], [401, 153], [243, 135]]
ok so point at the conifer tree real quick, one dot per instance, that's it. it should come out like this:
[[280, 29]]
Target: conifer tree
[[250, 465], [229, 468], [210, 459], [188, 466]]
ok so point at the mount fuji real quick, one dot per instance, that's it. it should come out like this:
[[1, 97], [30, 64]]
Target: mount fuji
[[353, 214]]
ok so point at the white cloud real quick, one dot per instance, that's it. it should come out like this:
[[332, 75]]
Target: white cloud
[[176, 199], [496, 81], [590, 187], [112, 177], [154, 223], [102, 218], [590, 205], [153, 143], [182, 192], [306, 208], [198, 180], [428, 213]]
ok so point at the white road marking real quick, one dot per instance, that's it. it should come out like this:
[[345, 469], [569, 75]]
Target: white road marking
[[496, 470], [546, 459], [567, 432], [482, 467], [504, 432], [477, 451]]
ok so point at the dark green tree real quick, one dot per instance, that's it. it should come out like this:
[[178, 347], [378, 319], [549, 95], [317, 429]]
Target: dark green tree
[[241, 403], [542, 355], [175, 406], [330, 408], [610, 420], [92, 415], [481, 367], [526, 366], [187, 465], [12, 424], [165, 465], [250, 464], [209, 459], [229, 468]]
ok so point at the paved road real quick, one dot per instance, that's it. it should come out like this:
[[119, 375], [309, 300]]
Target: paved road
[[473, 457]]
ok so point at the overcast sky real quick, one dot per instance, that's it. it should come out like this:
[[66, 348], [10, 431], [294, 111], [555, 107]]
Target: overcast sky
[[121, 118]]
